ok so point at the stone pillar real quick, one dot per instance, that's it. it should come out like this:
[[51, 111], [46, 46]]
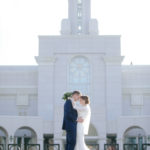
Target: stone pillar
[[120, 142], [101, 143], [60, 142], [113, 87], [41, 141], [22, 143], [58, 132], [45, 87]]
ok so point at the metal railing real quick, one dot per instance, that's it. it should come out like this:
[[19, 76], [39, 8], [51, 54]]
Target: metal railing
[[145, 146], [2, 147], [52, 147], [57, 147], [111, 146], [90, 146], [93, 146], [14, 147], [24, 147], [32, 147], [130, 147]]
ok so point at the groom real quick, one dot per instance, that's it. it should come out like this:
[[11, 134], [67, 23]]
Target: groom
[[70, 121]]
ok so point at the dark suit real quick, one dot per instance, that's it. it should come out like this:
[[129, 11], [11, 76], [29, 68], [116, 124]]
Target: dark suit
[[70, 125]]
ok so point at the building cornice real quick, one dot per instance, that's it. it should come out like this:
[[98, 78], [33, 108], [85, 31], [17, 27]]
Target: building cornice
[[136, 90], [45, 60], [113, 60]]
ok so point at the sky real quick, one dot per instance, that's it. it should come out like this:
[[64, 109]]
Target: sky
[[22, 21]]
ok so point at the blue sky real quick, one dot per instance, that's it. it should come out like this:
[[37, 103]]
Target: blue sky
[[21, 21]]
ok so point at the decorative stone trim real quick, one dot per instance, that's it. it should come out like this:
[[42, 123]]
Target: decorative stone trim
[[117, 60], [134, 90], [45, 60]]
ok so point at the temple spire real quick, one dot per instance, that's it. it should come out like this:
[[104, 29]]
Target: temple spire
[[79, 20]]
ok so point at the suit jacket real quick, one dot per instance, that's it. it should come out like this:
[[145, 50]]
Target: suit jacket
[[70, 116]]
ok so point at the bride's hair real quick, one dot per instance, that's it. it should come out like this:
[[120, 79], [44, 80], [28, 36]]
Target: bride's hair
[[86, 99]]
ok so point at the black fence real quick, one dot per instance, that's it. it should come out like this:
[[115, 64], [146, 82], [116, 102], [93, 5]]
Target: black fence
[[14, 147], [24, 147], [145, 146], [32, 147], [93, 146], [111, 147], [130, 147], [57, 147], [2, 147], [90, 146], [52, 147]]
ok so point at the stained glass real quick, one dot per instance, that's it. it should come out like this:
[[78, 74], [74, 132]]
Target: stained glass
[[79, 74], [79, 1]]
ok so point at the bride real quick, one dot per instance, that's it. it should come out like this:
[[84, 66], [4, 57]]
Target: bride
[[84, 112]]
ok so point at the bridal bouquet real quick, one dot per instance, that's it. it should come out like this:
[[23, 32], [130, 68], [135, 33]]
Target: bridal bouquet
[[67, 95]]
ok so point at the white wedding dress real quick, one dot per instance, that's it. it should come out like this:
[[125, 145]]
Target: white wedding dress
[[82, 128]]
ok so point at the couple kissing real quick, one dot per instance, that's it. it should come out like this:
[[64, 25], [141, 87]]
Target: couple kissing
[[77, 114]]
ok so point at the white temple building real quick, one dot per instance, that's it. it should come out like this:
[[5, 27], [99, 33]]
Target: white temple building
[[31, 105]]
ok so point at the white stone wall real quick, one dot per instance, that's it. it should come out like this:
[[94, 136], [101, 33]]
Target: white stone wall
[[136, 90], [18, 76], [18, 90], [120, 95]]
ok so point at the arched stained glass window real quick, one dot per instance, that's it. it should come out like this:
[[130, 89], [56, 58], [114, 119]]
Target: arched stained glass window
[[79, 1], [79, 75]]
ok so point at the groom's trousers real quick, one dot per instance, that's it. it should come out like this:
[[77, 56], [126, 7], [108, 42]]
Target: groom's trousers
[[71, 139]]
